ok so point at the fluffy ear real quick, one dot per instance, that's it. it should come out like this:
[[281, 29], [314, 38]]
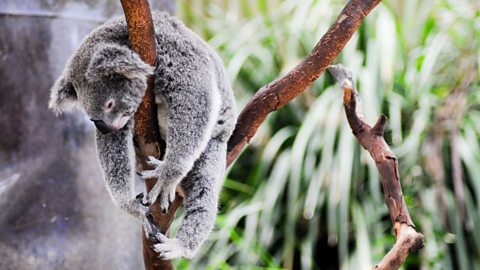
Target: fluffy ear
[[62, 96], [109, 59]]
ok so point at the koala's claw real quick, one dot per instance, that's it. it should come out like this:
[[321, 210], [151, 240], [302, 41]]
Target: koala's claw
[[169, 248], [142, 198], [167, 195], [152, 196], [155, 236], [156, 164], [152, 161], [146, 202]]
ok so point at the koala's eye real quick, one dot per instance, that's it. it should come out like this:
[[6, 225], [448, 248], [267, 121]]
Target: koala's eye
[[109, 105]]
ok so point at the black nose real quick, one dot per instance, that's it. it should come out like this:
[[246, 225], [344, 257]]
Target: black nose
[[102, 127]]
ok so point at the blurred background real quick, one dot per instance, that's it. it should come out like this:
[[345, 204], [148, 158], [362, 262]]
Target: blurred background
[[303, 195]]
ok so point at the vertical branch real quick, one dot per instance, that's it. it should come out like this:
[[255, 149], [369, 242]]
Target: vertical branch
[[147, 135], [371, 138]]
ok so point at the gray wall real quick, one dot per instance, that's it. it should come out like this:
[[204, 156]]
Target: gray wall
[[55, 212]]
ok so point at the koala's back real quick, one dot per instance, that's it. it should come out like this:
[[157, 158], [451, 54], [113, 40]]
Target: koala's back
[[183, 58]]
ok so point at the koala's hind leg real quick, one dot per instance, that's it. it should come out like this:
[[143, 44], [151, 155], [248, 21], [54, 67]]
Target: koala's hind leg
[[202, 186]]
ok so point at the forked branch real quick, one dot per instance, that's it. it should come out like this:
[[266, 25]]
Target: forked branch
[[269, 98], [371, 138]]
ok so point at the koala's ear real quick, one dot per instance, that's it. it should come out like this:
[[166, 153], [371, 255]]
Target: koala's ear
[[109, 59], [62, 96]]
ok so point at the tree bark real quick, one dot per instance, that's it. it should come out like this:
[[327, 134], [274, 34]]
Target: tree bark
[[275, 95], [371, 138], [147, 135], [269, 98]]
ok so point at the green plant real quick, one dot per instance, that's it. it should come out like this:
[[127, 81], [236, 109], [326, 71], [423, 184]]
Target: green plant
[[304, 195]]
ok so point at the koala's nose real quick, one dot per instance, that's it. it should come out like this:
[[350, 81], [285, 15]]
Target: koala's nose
[[102, 127]]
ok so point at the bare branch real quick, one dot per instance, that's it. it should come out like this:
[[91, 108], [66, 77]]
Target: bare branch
[[269, 98], [275, 95], [371, 138], [408, 240]]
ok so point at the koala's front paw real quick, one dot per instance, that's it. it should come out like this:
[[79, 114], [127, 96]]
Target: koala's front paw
[[153, 161], [156, 164], [167, 195], [152, 196], [169, 249]]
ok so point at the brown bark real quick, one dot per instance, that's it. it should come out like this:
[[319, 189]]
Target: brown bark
[[147, 136], [269, 98], [275, 95], [371, 138]]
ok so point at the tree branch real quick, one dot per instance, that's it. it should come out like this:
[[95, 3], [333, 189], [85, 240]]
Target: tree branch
[[275, 95], [269, 98], [371, 138], [147, 135]]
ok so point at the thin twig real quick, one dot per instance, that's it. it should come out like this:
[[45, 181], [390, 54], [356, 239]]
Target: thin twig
[[371, 138]]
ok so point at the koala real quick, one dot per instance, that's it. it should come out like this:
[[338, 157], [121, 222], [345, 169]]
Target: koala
[[196, 114]]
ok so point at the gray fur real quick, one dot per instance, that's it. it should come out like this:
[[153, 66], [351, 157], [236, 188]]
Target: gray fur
[[196, 115]]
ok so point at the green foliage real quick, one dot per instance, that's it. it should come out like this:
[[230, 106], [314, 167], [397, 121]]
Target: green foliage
[[304, 195]]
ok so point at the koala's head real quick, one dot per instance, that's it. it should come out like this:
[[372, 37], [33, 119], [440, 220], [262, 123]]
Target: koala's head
[[108, 84]]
